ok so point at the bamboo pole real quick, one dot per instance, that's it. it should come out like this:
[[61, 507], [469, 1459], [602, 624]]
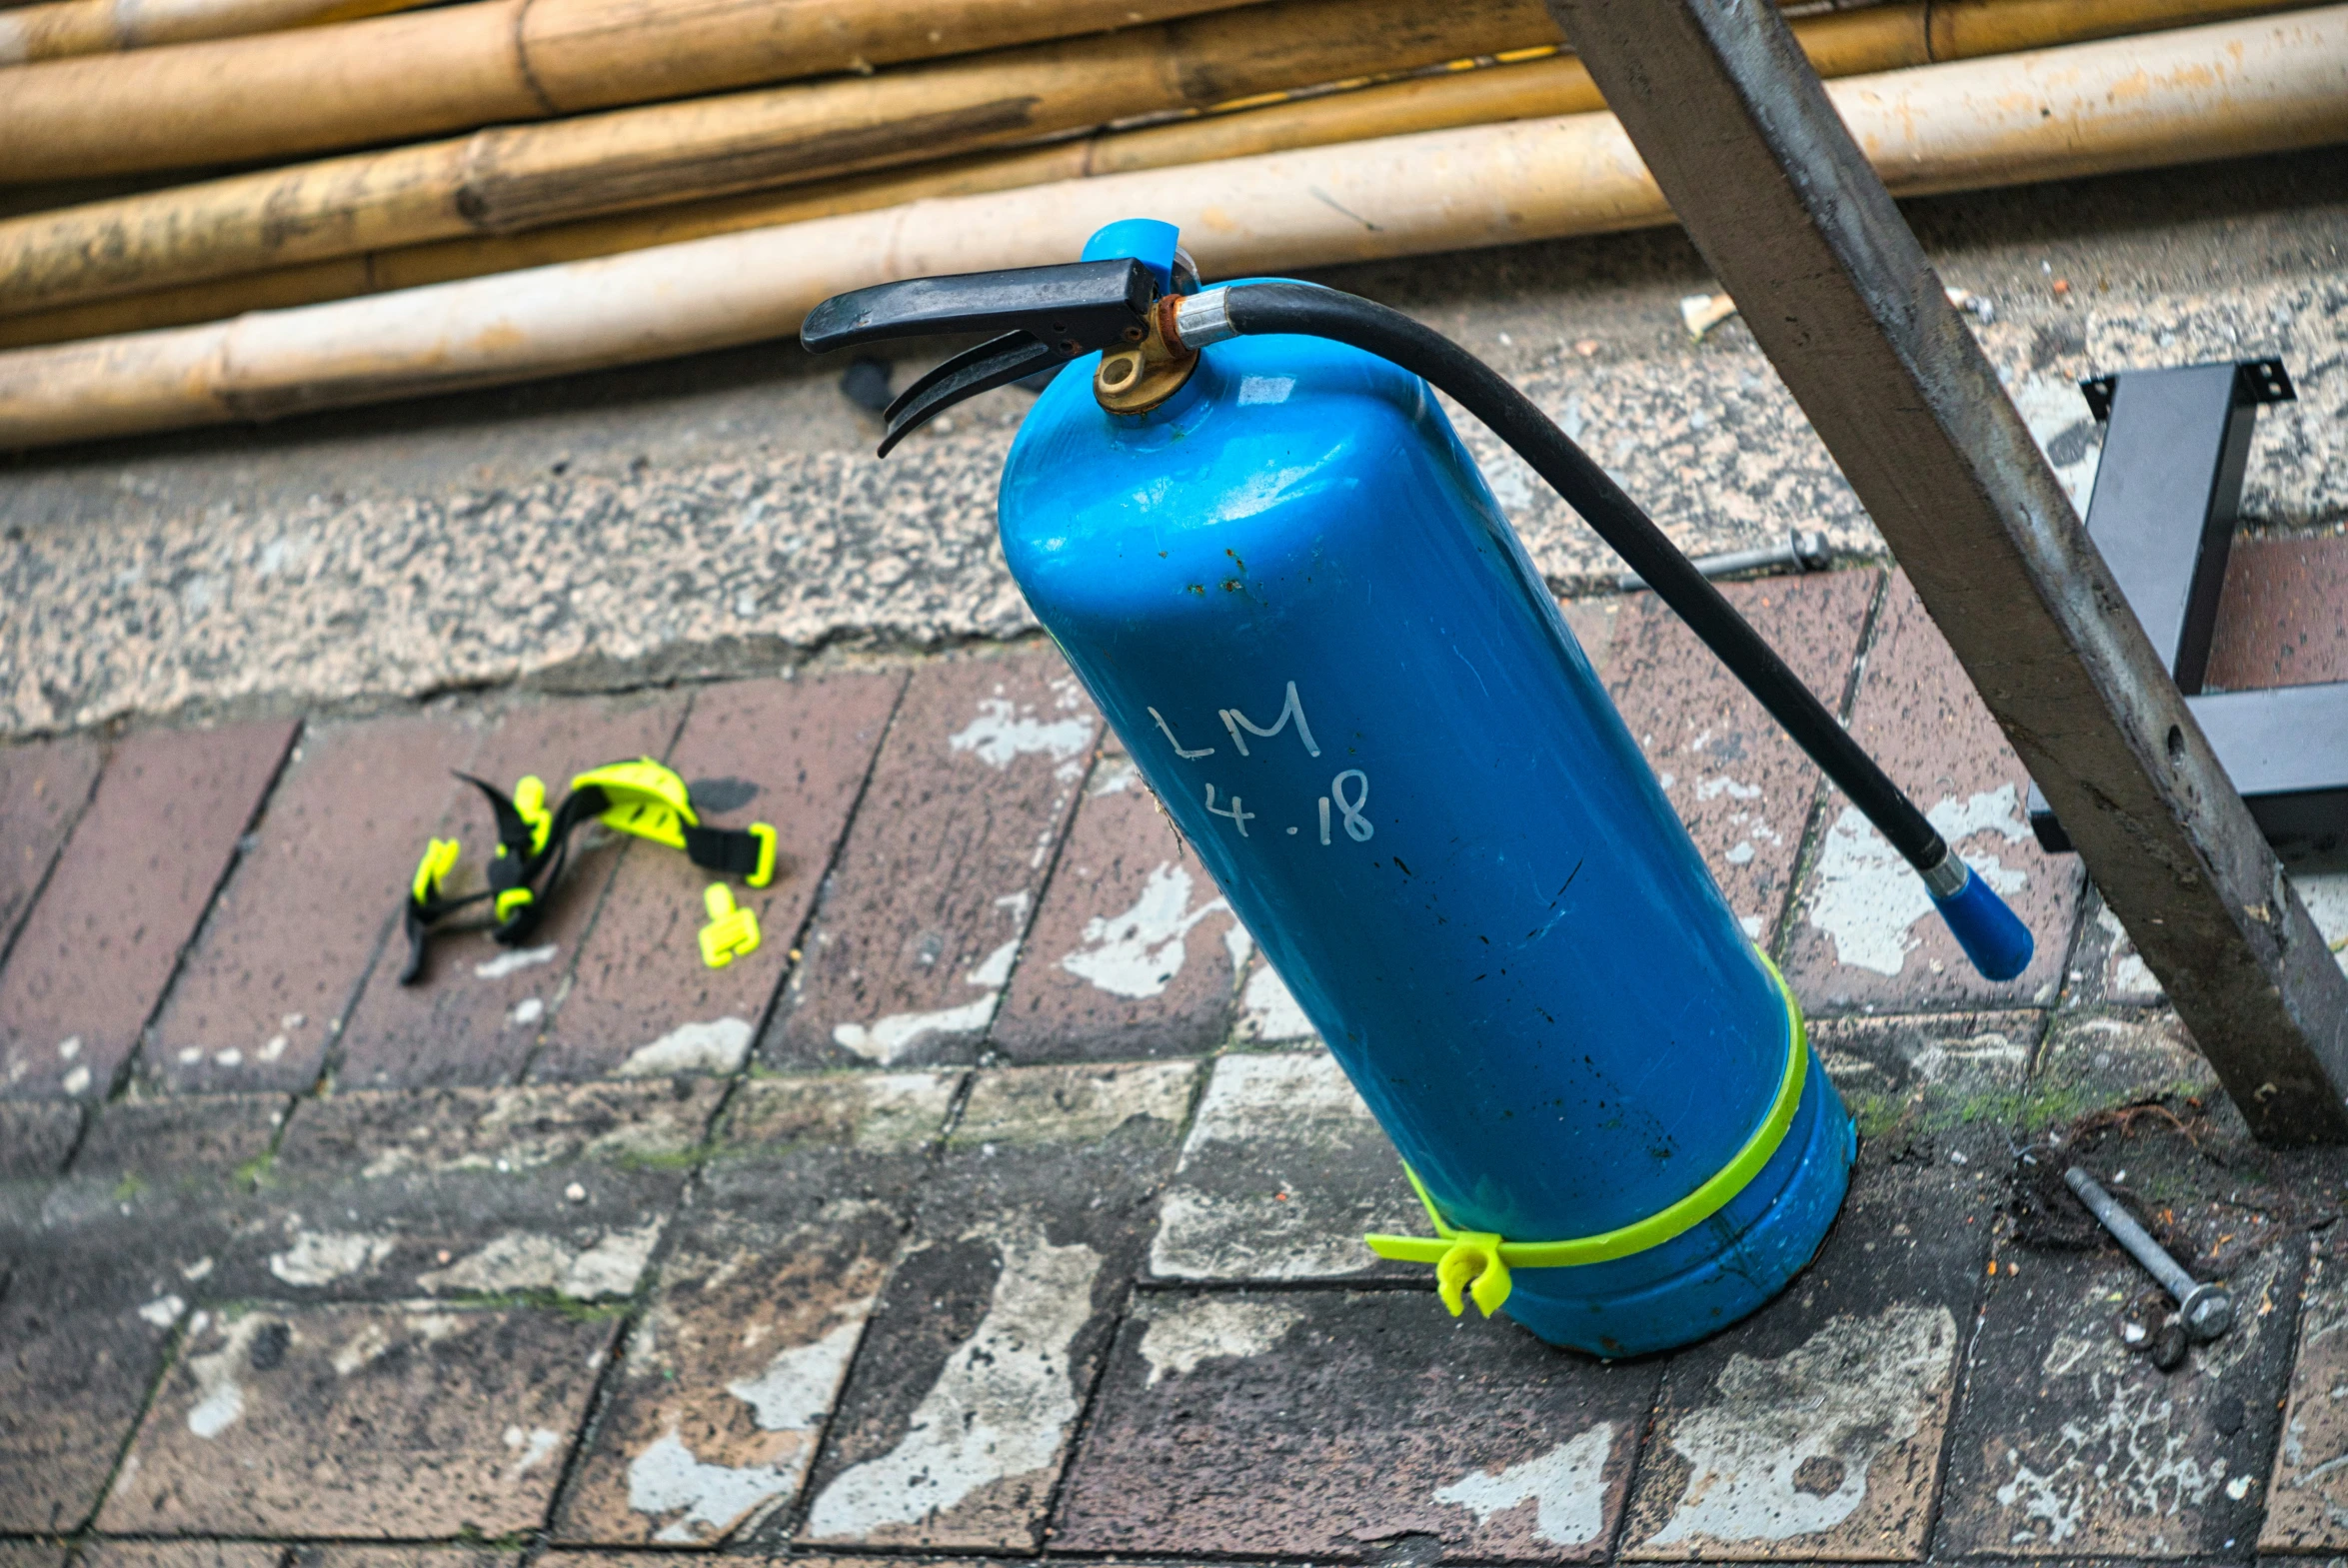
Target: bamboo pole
[[401, 78], [64, 28], [2234, 89], [511, 178], [1884, 37], [450, 260]]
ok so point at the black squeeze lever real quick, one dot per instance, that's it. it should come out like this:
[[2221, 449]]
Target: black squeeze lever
[[1052, 313]]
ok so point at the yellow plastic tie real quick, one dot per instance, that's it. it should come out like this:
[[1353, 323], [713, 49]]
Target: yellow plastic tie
[[1460, 1255], [514, 899], [529, 803], [732, 932], [440, 858]]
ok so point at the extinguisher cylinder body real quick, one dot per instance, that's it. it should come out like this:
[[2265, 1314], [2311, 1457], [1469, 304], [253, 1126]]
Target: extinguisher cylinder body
[[1294, 596]]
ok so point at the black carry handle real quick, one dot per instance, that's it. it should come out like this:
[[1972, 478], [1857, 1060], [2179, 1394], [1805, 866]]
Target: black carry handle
[[1046, 314]]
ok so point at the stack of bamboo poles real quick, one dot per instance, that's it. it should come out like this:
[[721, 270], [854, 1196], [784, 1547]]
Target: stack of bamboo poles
[[610, 200], [61, 28]]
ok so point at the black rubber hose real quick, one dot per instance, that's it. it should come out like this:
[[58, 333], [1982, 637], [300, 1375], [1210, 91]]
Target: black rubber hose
[[1261, 307]]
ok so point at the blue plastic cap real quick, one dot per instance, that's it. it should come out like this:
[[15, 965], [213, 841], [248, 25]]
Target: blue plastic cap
[[1992, 936], [1146, 240]]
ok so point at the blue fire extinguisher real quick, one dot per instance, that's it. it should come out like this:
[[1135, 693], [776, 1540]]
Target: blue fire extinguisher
[[1255, 537]]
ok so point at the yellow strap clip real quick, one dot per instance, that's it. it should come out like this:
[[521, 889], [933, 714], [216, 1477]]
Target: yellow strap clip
[[1460, 1255], [1472, 1255], [763, 832], [648, 800], [514, 899], [440, 858], [732, 933], [1459, 1258]]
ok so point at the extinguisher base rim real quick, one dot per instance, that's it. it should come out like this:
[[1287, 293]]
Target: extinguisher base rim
[[1676, 1296], [1715, 1194]]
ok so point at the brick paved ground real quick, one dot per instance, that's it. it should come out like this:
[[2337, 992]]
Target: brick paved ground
[[1005, 1206]]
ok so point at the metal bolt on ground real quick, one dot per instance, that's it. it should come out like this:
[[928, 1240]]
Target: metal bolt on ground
[[2205, 1309]]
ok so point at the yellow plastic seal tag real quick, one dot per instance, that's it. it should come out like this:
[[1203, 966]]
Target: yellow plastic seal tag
[[1460, 1257], [732, 932]]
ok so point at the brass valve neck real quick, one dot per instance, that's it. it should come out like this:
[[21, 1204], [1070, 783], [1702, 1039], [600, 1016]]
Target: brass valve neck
[[1137, 379]]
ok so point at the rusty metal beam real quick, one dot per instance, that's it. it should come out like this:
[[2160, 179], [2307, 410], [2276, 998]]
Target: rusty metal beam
[[1739, 133]]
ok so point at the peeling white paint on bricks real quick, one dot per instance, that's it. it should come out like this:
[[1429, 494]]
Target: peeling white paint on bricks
[[1115, 776], [1838, 1401], [889, 1040], [506, 963], [525, 1128], [163, 1311], [716, 1046], [2129, 977], [2136, 1452], [995, 969], [1238, 942], [1004, 732], [1567, 1485], [903, 1110], [523, 1260], [372, 1342], [533, 1447], [886, 1111], [1181, 1335], [1204, 1235], [709, 1500], [1993, 1056], [1136, 954], [1062, 1105], [1265, 1105], [1268, 1013], [1865, 896], [1292, 1089], [321, 1257], [220, 1398], [695, 1501], [795, 1391], [1002, 1407]]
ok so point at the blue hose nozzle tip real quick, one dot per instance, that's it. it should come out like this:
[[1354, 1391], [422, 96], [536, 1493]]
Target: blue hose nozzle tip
[[1992, 936]]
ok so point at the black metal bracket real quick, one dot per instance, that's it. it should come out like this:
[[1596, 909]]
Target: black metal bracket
[[2175, 447]]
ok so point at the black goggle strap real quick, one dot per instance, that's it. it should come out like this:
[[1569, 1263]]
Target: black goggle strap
[[747, 853], [524, 838], [425, 905], [527, 843]]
